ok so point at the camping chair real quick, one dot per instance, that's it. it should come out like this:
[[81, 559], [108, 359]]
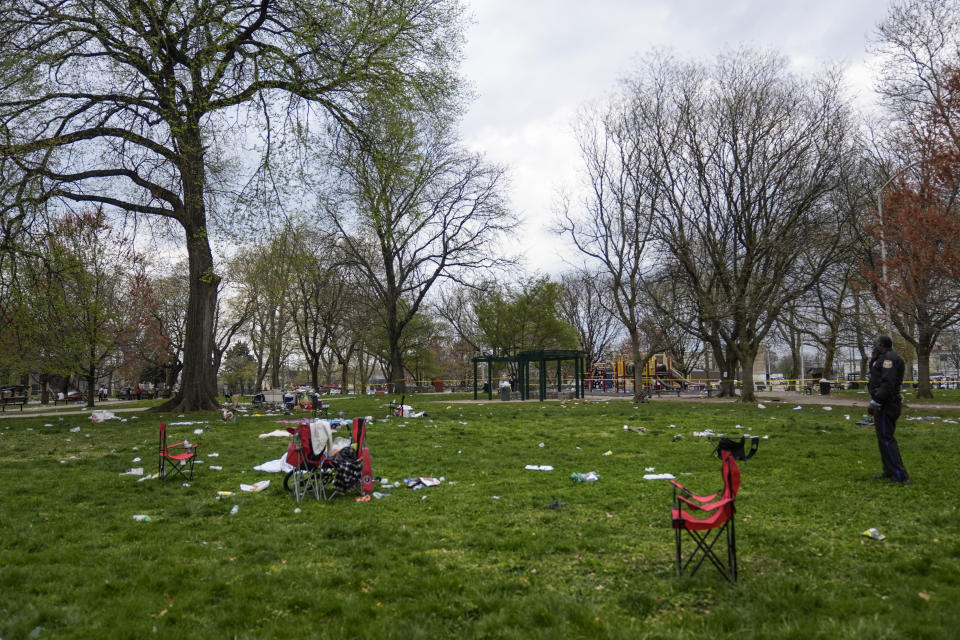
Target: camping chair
[[312, 469], [174, 458], [715, 518]]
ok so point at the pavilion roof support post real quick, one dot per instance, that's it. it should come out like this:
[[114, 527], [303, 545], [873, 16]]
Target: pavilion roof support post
[[489, 380], [474, 378], [543, 379], [559, 375], [525, 380]]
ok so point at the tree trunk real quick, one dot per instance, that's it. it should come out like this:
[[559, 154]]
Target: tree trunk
[[747, 359], [91, 381], [924, 349], [638, 365], [396, 378], [197, 383]]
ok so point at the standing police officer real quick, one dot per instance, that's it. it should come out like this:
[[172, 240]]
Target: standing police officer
[[886, 403]]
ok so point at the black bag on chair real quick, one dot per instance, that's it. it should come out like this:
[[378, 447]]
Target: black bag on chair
[[738, 447]]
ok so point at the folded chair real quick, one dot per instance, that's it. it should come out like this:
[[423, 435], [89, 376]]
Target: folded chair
[[352, 463], [176, 458], [707, 519]]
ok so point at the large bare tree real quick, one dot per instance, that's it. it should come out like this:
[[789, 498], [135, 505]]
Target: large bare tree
[[745, 158], [612, 225], [123, 104], [414, 209], [917, 225]]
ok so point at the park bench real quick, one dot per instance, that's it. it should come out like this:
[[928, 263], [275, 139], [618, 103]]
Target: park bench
[[8, 400]]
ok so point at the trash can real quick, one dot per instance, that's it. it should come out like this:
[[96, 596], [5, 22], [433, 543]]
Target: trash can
[[505, 392], [824, 387]]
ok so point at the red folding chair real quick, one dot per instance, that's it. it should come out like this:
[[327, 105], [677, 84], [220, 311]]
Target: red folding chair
[[175, 458], [707, 519]]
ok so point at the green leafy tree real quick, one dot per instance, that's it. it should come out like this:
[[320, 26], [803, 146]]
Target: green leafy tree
[[527, 316], [239, 369], [131, 105], [77, 310]]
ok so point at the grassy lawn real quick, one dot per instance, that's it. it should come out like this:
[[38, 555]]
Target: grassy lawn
[[483, 555]]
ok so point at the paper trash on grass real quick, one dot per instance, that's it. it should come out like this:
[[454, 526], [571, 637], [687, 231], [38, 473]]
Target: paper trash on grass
[[135, 471], [102, 414], [420, 482], [256, 487], [873, 534], [658, 476], [279, 433], [538, 467]]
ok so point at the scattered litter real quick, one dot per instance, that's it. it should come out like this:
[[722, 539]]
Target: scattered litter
[[650, 469], [846, 416], [671, 426], [377, 495], [760, 405], [590, 476], [183, 424], [923, 418], [658, 476], [828, 408], [214, 467], [234, 510], [635, 429], [873, 534], [363, 498], [135, 460], [541, 467], [556, 504], [213, 455], [541, 445], [224, 494], [135, 471], [102, 414], [198, 432], [279, 465], [255, 487], [797, 408], [608, 453], [738, 426], [75, 430], [141, 517], [495, 497], [152, 476], [297, 510], [421, 482], [678, 437], [706, 433]]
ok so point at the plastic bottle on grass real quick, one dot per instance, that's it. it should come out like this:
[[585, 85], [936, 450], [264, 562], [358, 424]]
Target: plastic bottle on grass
[[590, 476], [234, 510]]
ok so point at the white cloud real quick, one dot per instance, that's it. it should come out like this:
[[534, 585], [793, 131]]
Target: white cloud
[[534, 62]]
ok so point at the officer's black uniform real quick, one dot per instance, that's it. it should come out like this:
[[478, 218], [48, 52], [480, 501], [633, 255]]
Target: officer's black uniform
[[886, 377]]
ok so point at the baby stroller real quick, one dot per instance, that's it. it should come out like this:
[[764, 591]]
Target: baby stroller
[[313, 470]]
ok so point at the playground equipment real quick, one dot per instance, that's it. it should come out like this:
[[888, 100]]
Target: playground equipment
[[617, 375]]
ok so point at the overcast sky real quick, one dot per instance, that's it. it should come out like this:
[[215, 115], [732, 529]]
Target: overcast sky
[[532, 63]]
